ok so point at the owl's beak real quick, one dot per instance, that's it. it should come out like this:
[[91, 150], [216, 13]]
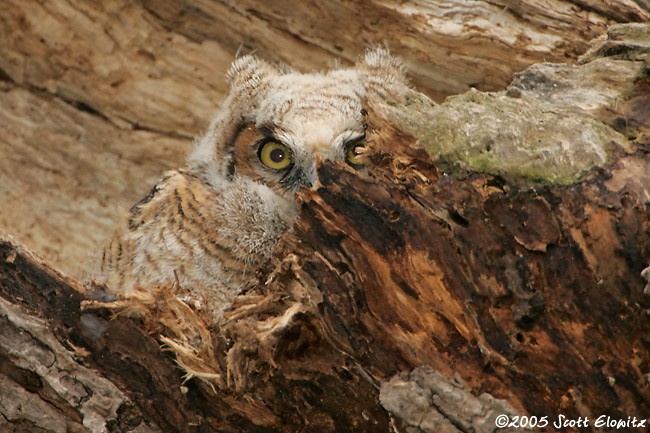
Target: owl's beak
[[310, 179], [302, 178], [312, 176], [307, 182]]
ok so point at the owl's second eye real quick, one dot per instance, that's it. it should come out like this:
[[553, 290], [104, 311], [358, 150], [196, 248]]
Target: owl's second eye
[[275, 155], [355, 153]]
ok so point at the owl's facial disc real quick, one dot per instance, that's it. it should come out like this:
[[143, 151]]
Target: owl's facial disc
[[285, 161], [350, 146]]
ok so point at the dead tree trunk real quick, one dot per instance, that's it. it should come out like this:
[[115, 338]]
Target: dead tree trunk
[[531, 295], [403, 297], [496, 269]]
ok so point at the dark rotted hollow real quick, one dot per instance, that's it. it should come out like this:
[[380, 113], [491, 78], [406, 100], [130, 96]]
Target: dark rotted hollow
[[533, 294]]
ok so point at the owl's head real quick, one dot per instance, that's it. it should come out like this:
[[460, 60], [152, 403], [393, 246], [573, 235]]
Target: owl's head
[[275, 124]]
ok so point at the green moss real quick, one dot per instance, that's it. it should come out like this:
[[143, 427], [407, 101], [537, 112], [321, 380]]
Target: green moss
[[513, 137]]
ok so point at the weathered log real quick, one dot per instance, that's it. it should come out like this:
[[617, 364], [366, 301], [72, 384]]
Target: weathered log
[[533, 295], [66, 369], [384, 273], [433, 293]]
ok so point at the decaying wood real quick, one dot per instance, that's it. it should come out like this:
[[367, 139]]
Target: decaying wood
[[433, 293], [67, 369], [532, 295], [404, 298], [384, 273], [554, 122]]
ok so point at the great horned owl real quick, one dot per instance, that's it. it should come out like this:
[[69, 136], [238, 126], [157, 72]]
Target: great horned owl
[[216, 221]]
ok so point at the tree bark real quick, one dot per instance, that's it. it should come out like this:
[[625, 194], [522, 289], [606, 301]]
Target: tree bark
[[383, 273]]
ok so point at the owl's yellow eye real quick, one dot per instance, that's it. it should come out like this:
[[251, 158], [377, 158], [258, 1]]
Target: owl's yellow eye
[[356, 153], [275, 155]]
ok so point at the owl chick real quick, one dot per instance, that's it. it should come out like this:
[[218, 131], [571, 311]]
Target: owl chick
[[215, 222]]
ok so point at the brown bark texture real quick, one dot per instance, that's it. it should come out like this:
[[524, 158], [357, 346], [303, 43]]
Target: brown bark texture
[[383, 274]]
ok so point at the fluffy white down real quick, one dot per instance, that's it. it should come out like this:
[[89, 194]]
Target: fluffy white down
[[315, 116]]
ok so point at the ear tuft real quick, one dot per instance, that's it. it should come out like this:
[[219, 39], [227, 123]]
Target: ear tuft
[[249, 78], [385, 74], [250, 69], [380, 61]]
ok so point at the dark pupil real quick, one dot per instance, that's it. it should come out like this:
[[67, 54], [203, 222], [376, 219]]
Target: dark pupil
[[277, 155]]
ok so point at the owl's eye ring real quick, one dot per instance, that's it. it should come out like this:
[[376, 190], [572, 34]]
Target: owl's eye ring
[[355, 152], [275, 155]]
